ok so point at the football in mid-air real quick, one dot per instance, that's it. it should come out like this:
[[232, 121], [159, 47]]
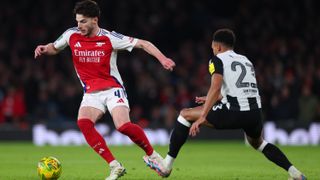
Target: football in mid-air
[[49, 168]]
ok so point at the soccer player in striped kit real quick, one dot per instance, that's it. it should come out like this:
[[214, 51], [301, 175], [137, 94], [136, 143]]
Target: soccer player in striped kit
[[232, 102], [94, 53]]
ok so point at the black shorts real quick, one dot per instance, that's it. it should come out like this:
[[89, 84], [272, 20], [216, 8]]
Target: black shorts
[[249, 121]]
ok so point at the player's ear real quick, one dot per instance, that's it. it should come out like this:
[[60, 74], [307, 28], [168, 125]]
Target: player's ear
[[95, 19], [219, 47]]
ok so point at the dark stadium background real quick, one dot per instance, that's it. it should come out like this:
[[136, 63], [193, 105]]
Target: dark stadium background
[[280, 37]]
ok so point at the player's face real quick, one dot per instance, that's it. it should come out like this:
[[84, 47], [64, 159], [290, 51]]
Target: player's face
[[86, 25]]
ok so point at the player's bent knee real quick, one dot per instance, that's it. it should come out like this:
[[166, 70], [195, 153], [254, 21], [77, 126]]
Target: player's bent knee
[[185, 114], [120, 124], [255, 145], [85, 124], [183, 121], [258, 144]]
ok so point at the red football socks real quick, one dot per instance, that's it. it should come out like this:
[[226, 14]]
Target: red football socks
[[94, 139], [137, 135]]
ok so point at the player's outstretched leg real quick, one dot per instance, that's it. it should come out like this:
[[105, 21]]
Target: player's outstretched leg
[[178, 137], [137, 135], [274, 154]]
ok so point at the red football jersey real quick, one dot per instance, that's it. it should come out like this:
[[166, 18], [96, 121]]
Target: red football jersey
[[95, 58]]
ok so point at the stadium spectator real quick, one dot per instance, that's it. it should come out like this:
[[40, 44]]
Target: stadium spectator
[[13, 107], [285, 105], [46, 110], [308, 103]]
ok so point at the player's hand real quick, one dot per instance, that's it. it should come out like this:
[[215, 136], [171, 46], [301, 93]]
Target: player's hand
[[40, 50], [195, 128], [168, 64], [201, 100]]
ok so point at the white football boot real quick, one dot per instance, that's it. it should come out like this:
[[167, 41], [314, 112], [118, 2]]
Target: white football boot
[[156, 163], [116, 171]]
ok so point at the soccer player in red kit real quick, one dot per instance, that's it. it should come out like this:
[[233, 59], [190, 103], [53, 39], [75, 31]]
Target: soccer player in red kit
[[94, 54]]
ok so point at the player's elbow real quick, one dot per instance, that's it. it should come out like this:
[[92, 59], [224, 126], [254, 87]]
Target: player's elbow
[[55, 50], [51, 50], [143, 44]]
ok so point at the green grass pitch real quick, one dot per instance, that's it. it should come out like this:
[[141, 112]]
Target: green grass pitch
[[197, 160]]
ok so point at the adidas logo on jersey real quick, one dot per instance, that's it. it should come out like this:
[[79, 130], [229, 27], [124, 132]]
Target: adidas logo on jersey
[[120, 101], [77, 44]]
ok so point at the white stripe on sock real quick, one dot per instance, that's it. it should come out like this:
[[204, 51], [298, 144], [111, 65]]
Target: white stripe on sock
[[183, 121], [263, 144]]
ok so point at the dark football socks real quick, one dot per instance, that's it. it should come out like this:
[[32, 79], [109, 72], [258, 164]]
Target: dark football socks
[[179, 136], [275, 155]]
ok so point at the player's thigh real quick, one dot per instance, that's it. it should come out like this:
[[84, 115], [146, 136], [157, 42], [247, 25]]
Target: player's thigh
[[222, 118], [118, 106], [120, 115], [192, 114], [92, 113], [91, 107]]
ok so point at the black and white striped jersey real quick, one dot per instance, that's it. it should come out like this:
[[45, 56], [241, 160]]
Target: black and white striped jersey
[[239, 88]]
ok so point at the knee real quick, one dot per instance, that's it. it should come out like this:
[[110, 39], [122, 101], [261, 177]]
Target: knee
[[182, 120], [258, 144], [85, 124], [184, 113], [255, 144], [120, 126]]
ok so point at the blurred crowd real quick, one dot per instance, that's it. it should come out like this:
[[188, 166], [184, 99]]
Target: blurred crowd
[[281, 38]]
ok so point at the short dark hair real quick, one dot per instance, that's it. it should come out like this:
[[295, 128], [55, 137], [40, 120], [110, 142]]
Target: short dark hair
[[225, 36], [87, 8]]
